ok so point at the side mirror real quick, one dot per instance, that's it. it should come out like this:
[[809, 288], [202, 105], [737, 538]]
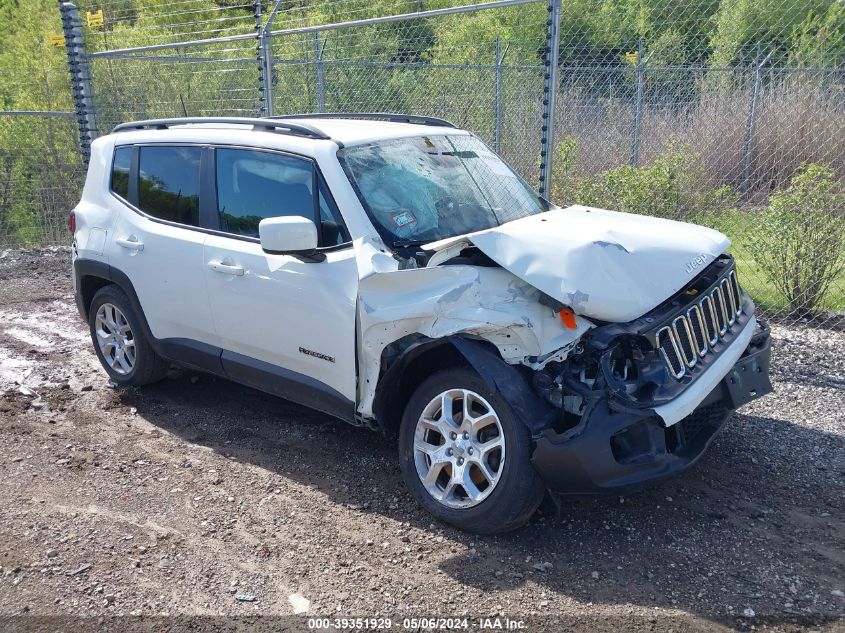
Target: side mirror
[[290, 235]]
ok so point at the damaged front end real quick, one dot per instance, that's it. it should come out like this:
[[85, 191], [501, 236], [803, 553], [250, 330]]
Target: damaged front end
[[642, 400], [609, 404]]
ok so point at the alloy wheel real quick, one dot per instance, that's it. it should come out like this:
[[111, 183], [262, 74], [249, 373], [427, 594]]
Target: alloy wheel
[[459, 448], [115, 338]]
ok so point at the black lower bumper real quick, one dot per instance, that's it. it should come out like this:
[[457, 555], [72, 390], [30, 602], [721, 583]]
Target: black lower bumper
[[619, 448]]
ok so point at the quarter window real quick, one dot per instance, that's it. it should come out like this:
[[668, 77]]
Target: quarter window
[[169, 183], [120, 171], [331, 225]]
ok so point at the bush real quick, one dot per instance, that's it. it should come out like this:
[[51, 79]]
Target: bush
[[673, 186], [800, 245]]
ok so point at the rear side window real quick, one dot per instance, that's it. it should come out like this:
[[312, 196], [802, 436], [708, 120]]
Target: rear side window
[[120, 171], [169, 183]]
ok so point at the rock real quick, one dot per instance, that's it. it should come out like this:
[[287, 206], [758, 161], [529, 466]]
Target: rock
[[543, 566], [300, 603], [52, 553], [87, 388], [838, 593], [79, 570], [748, 612], [245, 597], [595, 575]]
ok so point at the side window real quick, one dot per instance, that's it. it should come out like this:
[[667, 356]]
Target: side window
[[169, 183], [120, 171], [333, 232], [253, 185]]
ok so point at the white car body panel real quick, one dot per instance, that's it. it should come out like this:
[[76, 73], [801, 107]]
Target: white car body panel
[[281, 306], [487, 303], [94, 214], [603, 264], [167, 273]]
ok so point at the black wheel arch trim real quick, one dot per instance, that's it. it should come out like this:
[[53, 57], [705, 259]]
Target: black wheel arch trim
[[483, 357], [93, 268]]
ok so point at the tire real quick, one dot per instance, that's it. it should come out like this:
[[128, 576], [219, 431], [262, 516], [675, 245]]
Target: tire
[[510, 490], [115, 327]]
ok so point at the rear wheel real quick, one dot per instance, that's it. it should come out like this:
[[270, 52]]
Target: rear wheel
[[465, 457], [119, 340]]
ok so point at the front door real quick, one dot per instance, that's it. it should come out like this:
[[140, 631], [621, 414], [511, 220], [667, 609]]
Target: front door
[[286, 325]]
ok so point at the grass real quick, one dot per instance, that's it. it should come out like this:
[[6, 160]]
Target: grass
[[738, 226]]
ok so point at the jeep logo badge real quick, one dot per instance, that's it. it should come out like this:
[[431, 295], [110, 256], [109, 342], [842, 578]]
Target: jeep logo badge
[[698, 261]]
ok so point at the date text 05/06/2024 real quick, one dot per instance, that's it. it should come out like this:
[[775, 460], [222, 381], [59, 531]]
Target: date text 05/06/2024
[[416, 624]]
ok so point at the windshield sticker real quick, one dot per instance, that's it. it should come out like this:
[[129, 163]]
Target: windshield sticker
[[403, 218]]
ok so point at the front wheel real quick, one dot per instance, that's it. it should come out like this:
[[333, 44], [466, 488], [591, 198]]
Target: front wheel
[[465, 457]]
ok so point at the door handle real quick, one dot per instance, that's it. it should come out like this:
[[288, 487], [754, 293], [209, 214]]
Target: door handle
[[132, 243], [226, 269]]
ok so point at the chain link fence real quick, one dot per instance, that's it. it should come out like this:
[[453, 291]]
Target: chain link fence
[[41, 173], [727, 114]]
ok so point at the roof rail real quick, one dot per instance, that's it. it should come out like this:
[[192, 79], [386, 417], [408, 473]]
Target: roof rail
[[265, 124], [391, 117]]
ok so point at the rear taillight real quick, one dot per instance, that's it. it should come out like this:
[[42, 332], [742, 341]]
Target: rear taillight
[[71, 221]]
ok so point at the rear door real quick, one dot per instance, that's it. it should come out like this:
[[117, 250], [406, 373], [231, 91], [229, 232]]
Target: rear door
[[156, 241], [286, 324]]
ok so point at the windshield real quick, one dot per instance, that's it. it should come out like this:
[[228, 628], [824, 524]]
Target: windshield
[[427, 188]]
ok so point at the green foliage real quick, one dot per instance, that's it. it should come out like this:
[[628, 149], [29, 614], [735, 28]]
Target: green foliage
[[673, 185], [801, 247], [809, 31], [40, 167]]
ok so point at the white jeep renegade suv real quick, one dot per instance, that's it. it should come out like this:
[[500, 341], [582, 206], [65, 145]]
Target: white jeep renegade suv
[[393, 272]]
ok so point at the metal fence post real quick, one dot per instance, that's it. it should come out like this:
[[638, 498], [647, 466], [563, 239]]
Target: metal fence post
[[752, 116], [497, 96], [638, 106], [80, 77], [259, 55], [266, 42], [267, 46], [497, 101], [549, 96], [318, 59]]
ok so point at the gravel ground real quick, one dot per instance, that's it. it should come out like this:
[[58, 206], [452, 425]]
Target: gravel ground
[[197, 496]]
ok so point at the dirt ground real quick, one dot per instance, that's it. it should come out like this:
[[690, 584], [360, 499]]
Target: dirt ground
[[197, 496]]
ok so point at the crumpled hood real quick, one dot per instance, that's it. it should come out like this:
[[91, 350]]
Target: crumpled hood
[[603, 264]]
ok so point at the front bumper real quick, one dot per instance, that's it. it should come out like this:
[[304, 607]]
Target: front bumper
[[618, 447]]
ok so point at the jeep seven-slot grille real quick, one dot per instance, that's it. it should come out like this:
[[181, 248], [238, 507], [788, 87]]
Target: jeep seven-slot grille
[[691, 335]]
